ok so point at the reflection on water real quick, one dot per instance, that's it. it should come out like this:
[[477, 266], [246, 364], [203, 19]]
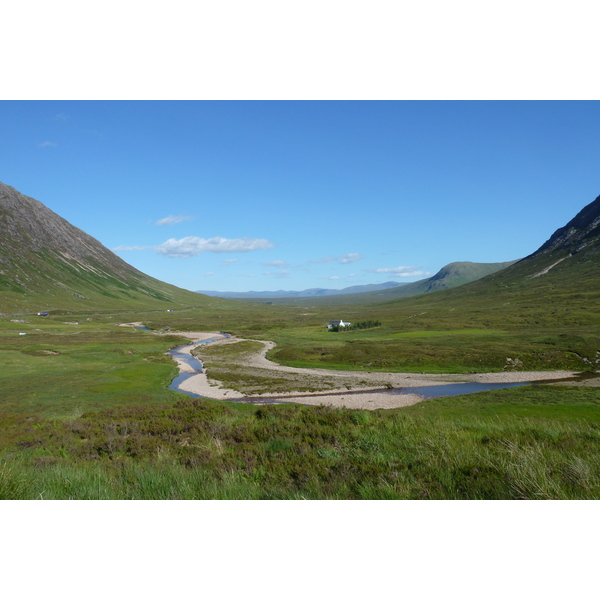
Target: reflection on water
[[190, 360], [454, 389], [174, 385]]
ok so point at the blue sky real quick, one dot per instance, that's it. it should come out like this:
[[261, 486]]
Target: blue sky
[[267, 195]]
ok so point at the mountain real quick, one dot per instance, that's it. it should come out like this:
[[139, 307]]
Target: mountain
[[571, 254], [309, 293], [558, 285], [581, 232], [46, 263], [565, 266], [452, 275]]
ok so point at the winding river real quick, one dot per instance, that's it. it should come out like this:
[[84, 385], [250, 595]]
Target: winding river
[[197, 366], [190, 360], [182, 354]]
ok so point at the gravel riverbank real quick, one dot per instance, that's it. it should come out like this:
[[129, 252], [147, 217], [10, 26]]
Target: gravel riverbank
[[361, 380]]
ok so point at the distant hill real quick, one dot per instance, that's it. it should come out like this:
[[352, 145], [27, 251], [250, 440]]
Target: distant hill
[[48, 264], [452, 275], [309, 293]]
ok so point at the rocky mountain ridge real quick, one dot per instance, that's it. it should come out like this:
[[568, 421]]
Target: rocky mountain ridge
[[45, 262], [577, 233], [28, 226]]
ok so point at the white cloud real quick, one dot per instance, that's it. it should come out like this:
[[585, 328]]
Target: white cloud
[[209, 274], [327, 259], [192, 246], [401, 271], [47, 145], [171, 220], [229, 261], [350, 258], [334, 277]]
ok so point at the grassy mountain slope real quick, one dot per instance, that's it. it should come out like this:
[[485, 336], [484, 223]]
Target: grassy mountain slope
[[48, 264]]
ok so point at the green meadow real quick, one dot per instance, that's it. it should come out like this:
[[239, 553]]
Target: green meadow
[[56, 371], [86, 412]]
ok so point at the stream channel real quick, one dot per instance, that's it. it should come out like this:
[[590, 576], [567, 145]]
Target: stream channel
[[427, 392], [190, 360]]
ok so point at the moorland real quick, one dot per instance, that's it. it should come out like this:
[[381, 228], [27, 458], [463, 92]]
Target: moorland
[[87, 413]]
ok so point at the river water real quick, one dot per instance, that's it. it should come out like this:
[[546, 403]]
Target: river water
[[454, 389], [190, 360], [428, 392]]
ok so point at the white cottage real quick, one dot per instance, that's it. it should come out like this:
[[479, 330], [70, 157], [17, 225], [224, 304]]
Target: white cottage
[[338, 324]]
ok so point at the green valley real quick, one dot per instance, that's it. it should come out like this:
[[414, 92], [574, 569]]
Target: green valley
[[86, 410]]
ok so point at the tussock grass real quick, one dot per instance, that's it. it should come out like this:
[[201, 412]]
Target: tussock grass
[[470, 447]]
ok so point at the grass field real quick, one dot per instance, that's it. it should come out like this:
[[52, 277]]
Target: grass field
[[536, 443], [86, 411], [60, 369]]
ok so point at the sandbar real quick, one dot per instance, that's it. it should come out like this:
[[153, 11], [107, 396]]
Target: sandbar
[[366, 381]]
